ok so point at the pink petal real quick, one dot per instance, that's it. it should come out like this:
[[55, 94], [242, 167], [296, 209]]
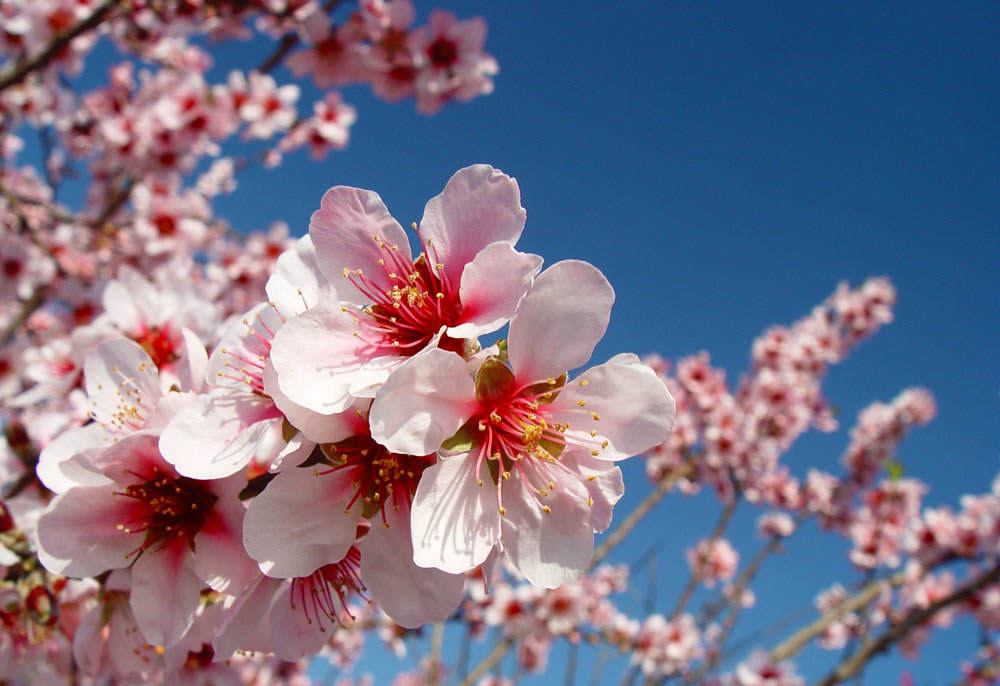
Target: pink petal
[[220, 559], [409, 594], [218, 434], [245, 627], [165, 593], [78, 534], [560, 321], [299, 523], [292, 634], [320, 428], [319, 360], [478, 206], [493, 284], [423, 402], [121, 380], [346, 230], [603, 482], [454, 520], [548, 549], [635, 408]]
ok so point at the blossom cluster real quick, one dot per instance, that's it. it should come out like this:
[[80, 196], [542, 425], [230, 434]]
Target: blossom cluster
[[241, 479]]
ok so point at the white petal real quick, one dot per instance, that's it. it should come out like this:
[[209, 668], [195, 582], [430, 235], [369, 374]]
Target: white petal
[[297, 283], [455, 522], [409, 594], [320, 428], [218, 434], [492, 286], [299, 523], [123, 384], [318, 360], [560, 321], [549, 549], [423, 402]]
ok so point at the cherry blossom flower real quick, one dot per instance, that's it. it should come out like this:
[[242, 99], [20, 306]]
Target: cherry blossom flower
[[465, 284], [546, 446]]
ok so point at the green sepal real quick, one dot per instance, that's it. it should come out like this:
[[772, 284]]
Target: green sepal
[[463, 440], [494, 382]]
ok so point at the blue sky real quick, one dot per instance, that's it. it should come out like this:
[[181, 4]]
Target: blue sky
[[725, 165]]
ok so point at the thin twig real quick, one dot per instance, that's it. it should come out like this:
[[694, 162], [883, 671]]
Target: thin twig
[[21, 71], [433, 672], [720, 527], [488, 662], [795, 643], [901, 629], [635, 516], [287, 42]]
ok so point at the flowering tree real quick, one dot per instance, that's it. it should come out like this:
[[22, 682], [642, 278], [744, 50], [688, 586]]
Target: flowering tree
[[225, 453]]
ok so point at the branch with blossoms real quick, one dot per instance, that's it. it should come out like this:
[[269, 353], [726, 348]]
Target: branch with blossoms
[[228, 453]]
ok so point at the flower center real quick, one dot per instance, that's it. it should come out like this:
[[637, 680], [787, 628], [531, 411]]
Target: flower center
[[175, 509], [443, 53], [410, 311], [157, 343], [323, 594], [379, 477]]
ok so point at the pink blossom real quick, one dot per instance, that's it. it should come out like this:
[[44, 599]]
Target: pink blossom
[[392, 306], [546, 445], [713, 560]]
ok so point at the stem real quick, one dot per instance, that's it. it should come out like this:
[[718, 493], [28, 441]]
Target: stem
[[433, 674], [642, 509], [488, 662], [853, 665], [692, 584], [20, 72], [795, 643], [287, 42]]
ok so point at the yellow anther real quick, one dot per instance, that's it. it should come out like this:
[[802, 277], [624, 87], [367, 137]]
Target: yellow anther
[[584, 382], [581, 403], [546, 509]]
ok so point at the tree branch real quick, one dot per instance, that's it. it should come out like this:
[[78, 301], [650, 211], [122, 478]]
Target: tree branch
[[854, 664], [21, 71]]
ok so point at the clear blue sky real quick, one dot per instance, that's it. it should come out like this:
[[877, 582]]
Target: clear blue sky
[[725, 165]]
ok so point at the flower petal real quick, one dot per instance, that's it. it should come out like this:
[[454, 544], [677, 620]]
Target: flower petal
[[288, 538], [493, 284], [478, 206], [560, 321], [549, 549], [423, 402], [165, 594], [218, 434], [319, 360], [346, 231], [635, 408], [296, 282], [78, 534], [454, 519], [122, 384], [320, 428], [409, 594]]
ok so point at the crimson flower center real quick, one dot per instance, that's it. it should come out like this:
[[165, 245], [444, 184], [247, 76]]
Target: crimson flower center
[[175, 509]]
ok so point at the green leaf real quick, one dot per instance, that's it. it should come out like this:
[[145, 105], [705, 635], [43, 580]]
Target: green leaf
[[494, 382]]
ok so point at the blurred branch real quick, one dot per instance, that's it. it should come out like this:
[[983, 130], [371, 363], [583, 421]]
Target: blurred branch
[[21, 71], [853, 665], [795, 643], [488, 662], [642, 509], [720, 527], [287, 42]]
